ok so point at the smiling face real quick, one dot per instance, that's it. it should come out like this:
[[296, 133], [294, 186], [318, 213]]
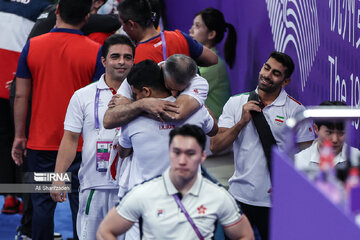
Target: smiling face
[[118, 62], [199, 31], [272, 76], [185, 157]]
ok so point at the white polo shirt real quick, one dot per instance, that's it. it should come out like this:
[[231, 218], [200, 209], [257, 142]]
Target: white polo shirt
[[309, 157], [251, 181], [80, 118], [149, 139], [197, 89], [205, 202]]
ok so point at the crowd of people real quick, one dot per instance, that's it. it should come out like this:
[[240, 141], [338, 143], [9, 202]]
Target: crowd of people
[[130, 116]]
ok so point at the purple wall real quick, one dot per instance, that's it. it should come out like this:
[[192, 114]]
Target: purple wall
[[300, 211], [322, 37]]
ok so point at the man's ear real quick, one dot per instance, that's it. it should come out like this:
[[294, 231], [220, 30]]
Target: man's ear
[[316, 129], [147, 91], [132, 24], [203, 156], [57, 9], [103, 61], [286, 82]]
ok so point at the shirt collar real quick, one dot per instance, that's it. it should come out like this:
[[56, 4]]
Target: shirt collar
[[150, 39], [101, 83], [171, 190], [315, 156], [280, 100], [103, 86], [67, 30]]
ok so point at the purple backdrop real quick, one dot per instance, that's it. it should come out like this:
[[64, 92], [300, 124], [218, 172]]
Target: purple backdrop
[[300, 211], [322, 37]]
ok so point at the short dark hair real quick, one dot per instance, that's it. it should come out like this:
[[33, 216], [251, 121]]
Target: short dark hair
[[146, 74], [189, 130], [117, 39], [285, 60], [139, 11], [73, 12], [180, 68], [335, 124]]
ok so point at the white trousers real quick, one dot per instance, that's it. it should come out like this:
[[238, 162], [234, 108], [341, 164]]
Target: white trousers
[[93, 206]]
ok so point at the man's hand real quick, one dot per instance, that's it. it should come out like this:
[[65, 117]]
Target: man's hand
[[18, 150], [114, 101], [8, 84], [161, 109], [247, 107], [57, 195]]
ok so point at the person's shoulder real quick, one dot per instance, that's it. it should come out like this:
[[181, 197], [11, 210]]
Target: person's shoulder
[[240, 96], [306, 153], [293, 101], [140, 124], [87, 89], [39, 38], [148, 186], [198, 79], [218, 190], [90, 42], [302, 158], [176, 32]]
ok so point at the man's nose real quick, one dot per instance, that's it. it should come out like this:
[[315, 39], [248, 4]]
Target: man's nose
[[182, 159], [121, 60], [334, 138]]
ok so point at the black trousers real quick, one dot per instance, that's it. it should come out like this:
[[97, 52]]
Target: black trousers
[[9, 172], [43, 205], [258, 217]]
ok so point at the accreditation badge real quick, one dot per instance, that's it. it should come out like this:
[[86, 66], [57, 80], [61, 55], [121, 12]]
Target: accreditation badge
[[102, 155]]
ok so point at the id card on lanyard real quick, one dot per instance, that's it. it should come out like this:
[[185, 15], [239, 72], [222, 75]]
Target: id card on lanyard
[[102, 155], [103, 147]]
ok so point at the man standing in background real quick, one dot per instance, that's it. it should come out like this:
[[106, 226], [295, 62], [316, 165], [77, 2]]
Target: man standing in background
[[85, 116], [55, 65], [250, 184]]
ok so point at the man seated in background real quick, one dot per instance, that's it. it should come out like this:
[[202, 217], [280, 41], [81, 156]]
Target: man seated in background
[[332, 131]]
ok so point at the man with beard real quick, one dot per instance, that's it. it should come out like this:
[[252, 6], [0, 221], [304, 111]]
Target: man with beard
[[251, 184]]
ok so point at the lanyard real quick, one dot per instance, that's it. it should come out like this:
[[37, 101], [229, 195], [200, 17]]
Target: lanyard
[[96, 107], [96, 110], [163, 45], [181, 206]]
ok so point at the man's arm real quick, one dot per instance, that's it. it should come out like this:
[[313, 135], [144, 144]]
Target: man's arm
[[23, 88], [215, 127], [124, 152], [187, 105], [124, 110], [65, 157], [240, 231], [226, 136], [207, 58], [112, 226]]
